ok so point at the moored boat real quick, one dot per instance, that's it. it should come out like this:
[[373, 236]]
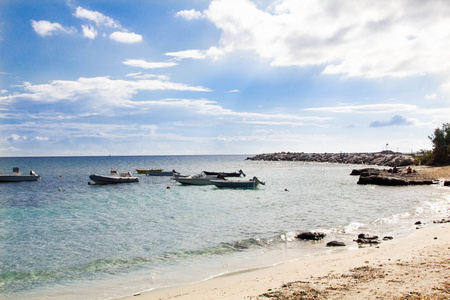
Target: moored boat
[[245, 184], [161, 173], [113, 178], [197, 179], [145, 171], [226, 174], [16, 176]]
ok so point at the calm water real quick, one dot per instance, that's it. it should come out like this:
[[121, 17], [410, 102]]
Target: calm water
[[63, 238]]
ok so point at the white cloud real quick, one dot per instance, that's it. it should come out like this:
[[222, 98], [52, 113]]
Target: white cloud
[[218, 113], [89, 31], [40, 138], [46, 28], [97, 17], [190, 14], [140, 63], [211, 53], [354, 37], [369, 108], [16, 138], [94, 92], [126, 37]]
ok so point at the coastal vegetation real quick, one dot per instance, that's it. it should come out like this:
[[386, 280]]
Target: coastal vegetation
[[440, 153], [441, 145]]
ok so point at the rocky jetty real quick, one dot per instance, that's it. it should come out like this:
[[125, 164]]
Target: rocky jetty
[[385, 158]]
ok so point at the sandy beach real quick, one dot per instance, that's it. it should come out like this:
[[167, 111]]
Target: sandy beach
[[413, 267]]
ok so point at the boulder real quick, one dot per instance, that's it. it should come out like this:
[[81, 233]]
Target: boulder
[[311, 236], [364, 238], [335, 244]]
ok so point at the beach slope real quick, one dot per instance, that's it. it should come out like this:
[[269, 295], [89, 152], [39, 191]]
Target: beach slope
[[414, 267]]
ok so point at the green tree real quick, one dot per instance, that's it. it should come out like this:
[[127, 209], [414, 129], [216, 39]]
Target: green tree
[[441, 145]]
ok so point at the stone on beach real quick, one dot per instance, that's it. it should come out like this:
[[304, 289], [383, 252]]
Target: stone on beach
[[311, 236], [335, 244]]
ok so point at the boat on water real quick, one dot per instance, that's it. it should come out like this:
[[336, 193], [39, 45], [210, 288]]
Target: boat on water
[[115, 177], [226, 174], [243, 184], [161, 173], [197, 179], [145, 171], [16, 176]]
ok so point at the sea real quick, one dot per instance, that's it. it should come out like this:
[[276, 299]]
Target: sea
[[63, 238]]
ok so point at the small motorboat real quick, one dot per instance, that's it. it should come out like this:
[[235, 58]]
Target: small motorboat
[[145, 171], [114, 178], [244, 184], [161, 173], [226, 174], [197, 179], [16, 176]]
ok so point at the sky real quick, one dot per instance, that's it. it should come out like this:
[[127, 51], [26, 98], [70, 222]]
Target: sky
[[175, 77]]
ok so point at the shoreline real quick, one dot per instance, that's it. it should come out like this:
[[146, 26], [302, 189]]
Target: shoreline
[[416, 264]]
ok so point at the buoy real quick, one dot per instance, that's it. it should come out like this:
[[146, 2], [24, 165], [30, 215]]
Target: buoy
[[168, 187], [286, 190], [60, 175], [89, 183]]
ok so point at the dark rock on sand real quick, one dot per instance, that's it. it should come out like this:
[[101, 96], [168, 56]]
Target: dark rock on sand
[[335, 244], [311, 236], [364, 238], [389, 178], [388, 238]]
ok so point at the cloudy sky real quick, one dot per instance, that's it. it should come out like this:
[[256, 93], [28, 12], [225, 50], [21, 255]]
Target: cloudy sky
[[150, 77]]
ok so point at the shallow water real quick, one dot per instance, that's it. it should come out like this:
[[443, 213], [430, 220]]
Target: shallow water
[[60, 237]]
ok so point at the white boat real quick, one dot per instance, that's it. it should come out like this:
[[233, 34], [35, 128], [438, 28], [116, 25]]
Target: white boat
[[114, 178], [16, 176], [198, 179], [244, 184]]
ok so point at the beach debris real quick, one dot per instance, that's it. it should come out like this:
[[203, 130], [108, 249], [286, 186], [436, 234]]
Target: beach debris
[[311, 236], [388, 238], [335, 244]]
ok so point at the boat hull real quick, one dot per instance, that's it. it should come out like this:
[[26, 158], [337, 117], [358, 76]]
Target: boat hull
[[145, 171], [247, 184], [194, 181], [199, 179], [159, 173], [18, 178], [101, 179], [242, 184]]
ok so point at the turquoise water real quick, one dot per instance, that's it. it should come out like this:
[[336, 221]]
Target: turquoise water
[[63, 238]]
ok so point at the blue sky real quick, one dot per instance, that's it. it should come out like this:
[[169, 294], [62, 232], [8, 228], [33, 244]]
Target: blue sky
[[151, 77]]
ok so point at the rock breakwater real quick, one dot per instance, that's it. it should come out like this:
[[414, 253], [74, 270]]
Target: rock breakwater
[[385, 158]]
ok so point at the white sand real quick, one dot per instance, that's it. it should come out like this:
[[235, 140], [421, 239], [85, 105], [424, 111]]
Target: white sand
[[417, 264]]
